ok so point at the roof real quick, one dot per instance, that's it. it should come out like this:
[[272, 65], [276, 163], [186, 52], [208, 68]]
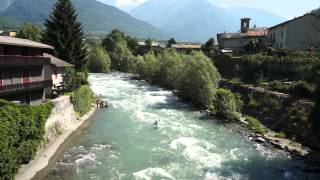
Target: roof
[[254, 32], [57, 62], [294, 19], [7, 40], [187, 46]]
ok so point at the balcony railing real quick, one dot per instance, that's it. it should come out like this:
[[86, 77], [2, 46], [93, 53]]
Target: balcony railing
[[13, 60], [22, 87]]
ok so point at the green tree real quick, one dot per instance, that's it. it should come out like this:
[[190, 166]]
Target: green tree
[[209, 47], [65, 33], [112, 39], [148, 43], [29, 31], [171, 42], [99, 60], [132, 44], [199, 80]]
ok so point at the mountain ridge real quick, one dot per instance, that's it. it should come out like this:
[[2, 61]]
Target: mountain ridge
[[95, 17], [181, 17]]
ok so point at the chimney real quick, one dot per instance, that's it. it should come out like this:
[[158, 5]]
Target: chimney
[[245, 25]]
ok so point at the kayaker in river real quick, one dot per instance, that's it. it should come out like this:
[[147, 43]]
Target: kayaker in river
[[156, 122]]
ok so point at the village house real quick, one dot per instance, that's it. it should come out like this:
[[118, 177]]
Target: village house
[[237, 41], [23, 78], [55, 71], [299, 33], [186, 47]]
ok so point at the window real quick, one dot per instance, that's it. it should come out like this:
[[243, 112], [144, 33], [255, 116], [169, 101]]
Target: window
[[282, 34]]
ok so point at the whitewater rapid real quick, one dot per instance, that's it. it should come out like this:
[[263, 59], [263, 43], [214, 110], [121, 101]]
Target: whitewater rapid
[[121, 142]]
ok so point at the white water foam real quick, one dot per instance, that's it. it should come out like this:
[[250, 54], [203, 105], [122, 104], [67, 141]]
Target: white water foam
[[151, 173]]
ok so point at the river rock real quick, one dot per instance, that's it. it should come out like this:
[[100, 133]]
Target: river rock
[[260, 140]]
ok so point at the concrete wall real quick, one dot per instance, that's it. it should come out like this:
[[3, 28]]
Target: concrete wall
[[278, 37]]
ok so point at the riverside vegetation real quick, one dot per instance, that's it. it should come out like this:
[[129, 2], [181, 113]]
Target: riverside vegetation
[[22, 128], [194, 77]]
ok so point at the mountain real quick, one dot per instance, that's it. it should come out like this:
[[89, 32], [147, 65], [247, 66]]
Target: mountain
[[5, 4], [95, 17], [198, 20]]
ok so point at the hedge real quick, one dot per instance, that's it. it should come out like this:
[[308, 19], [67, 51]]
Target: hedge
[[22, 128]]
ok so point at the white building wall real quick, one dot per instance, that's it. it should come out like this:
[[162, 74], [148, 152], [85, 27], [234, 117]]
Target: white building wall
[[297, 34]]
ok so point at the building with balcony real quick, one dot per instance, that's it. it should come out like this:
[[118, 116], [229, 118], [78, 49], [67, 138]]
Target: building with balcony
[[22, 70], [299, 33], [237, 41]]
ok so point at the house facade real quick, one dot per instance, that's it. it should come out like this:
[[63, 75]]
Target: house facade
[[237, 41], [299, 33], [22, 72], [55, 71]]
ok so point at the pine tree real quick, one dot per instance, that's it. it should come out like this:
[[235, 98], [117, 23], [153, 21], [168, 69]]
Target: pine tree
[[65, 33]]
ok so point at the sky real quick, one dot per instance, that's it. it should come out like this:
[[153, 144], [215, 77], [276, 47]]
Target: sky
[[285, 8]]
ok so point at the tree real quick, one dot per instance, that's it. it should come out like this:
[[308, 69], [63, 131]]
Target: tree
[[112, 39], [65, 33], [171, 42], [99, 60], [29, 31], [132, 44], [148, 43], [315, 114], [209, 47], [200, 80]]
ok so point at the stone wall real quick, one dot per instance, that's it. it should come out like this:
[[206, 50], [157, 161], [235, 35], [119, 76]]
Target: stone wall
[[61, 119]]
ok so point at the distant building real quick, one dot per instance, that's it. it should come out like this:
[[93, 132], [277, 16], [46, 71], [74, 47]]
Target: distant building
[[187, 47], [300, 33], [237, 41], [23, 76]]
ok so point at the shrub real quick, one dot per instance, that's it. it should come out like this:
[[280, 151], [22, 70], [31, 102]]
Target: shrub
[[99, 60], [302, 89], [199, 80], [82, 99], [73, 80], [22, 128], [256, 125], [227, 103]]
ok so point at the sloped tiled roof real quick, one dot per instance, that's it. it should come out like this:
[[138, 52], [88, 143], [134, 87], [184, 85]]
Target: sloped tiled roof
[[57, 62], [7, 40], [254, 32], [187, 46]]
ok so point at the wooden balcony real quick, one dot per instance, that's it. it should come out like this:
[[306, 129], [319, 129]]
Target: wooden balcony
[[22, 87], [10, 60]]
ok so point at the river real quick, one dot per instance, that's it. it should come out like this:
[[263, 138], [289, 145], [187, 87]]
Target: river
[[121, 142]]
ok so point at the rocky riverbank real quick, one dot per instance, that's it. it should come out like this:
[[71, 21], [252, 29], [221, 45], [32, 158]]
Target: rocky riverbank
[[60, 125]]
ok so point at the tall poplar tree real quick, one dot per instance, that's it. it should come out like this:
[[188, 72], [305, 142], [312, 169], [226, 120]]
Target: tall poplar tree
[[65, 33]]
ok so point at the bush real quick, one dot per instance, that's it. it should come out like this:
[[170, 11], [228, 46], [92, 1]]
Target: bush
[[199, 80], [256, 125], [82, 99], [302, 89], [73, 80], [99, 60], [227, 103], [22, 128]]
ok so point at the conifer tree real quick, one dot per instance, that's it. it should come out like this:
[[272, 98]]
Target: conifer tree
[[65, 33]]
